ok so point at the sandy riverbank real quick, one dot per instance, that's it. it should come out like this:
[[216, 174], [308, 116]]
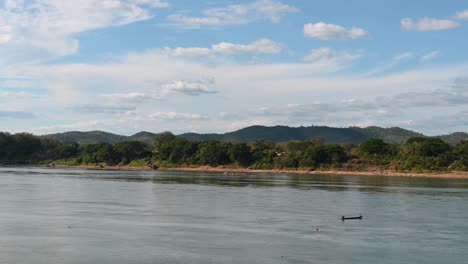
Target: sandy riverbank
[[241, 171]]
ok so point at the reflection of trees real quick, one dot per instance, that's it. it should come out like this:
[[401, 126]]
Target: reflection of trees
[[332, 183], [216, 179]]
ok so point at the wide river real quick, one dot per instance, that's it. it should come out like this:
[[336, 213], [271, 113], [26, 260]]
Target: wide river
[[98, 217]]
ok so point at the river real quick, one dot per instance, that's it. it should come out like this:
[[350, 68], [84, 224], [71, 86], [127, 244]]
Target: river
[[90, 216]]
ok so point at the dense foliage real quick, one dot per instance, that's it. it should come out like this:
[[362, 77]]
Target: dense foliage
[[417, 154], [277, 134]]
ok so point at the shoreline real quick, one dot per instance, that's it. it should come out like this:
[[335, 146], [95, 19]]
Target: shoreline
[[244, 171]]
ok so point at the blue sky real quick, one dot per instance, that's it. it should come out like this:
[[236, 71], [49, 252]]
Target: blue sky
[[214, 66]]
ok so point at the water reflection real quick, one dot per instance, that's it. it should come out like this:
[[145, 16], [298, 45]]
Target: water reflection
[[334, 183], [86, 216], [321, 182]]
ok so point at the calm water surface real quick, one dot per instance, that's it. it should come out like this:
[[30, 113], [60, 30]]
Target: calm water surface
[[85, 216]]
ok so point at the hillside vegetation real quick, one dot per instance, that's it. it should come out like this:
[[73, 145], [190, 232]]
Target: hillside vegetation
[[318, 134], [417, 154]]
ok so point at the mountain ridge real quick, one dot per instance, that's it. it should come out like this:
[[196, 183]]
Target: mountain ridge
[[324, 134]]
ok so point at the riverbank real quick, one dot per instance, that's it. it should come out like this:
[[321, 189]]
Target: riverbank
[[244, 171]]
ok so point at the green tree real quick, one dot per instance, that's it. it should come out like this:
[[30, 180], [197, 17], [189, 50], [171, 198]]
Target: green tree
[[161, 139], [323, 155], [128, 151], [99, 152], [177, 151], [241, 153], [374, 146], [426, 147], [212, 153]]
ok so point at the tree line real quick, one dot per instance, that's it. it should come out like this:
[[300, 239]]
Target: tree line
[[167, 150]]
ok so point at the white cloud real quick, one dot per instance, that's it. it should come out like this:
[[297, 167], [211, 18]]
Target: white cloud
[[273, 10], [76, 126], [101, 109], [318, 54], [430, 56], [463, 15], [16, 114], [43, 30], [235, 14], [324, 31], [5, 34], [261, 46], [326, 54], [192, 88], [428, 24], [14, 4], [153, 3], [176, 116], [403, 56], [188, 52], [14, 94], [129, 79], [136, 97]]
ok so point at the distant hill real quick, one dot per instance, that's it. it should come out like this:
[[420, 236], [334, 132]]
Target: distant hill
[[395, 135], [144, 136], [87, 137], [91, 137], [284, 133], [454, 138], [329, 135]]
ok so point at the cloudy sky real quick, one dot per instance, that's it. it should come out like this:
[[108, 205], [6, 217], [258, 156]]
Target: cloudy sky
[[125, 66]]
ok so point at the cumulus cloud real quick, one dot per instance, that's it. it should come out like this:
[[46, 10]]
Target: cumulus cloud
[[261, 46], [188, 52], [318, 54], [273, 10], [428, 24], [324, 31], [330, 55], [136, 75], [42, 30], [192, 88], [379, 110], [235, 14], [176, 116], [463, 15]]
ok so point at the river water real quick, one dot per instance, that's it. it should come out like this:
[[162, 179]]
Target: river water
[[86, 216]]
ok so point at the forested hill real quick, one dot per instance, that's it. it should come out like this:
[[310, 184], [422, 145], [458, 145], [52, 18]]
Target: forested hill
[[329, 135], [91, 137], [454, 138]]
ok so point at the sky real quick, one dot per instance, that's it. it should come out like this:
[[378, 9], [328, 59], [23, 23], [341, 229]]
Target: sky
[[125, 66]]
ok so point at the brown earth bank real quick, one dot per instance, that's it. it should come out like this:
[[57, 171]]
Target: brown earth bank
[[243, 171]]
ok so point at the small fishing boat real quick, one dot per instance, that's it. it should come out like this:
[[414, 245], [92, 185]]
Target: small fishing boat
[[343, 218]]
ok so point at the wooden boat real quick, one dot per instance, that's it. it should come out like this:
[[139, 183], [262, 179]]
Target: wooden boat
[[343, 218]]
